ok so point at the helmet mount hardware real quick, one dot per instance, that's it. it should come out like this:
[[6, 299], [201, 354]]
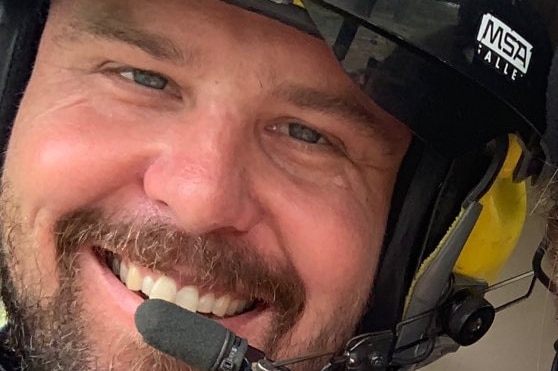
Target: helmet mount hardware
[[468, 317]]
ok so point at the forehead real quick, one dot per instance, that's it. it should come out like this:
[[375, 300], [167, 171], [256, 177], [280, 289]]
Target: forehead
[[195, 31], [180, 14], [203, 27]]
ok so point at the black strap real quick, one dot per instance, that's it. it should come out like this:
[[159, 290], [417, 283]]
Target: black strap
[[417, 187], [551, 135], [21, 26]]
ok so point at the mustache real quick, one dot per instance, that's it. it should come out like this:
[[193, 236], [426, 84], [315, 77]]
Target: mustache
[[218, 259]]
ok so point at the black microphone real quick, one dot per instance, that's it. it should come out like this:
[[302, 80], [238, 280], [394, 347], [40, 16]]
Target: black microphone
[[192, 338]]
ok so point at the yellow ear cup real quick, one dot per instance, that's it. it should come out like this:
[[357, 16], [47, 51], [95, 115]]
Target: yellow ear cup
[[501, 221]]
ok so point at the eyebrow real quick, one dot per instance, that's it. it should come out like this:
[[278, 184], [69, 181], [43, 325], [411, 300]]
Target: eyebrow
[[344, 105], [112, 28]]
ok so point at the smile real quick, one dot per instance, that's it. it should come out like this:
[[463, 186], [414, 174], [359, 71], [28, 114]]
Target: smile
[[152, 285]]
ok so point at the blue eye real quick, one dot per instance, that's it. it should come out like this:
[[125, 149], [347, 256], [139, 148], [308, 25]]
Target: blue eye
[[305, 134], [300, 133], [147, 79]]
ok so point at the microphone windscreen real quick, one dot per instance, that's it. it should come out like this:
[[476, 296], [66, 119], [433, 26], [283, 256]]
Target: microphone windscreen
[[187, 336]]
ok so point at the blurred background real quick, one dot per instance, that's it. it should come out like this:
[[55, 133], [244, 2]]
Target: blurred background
[[522, 337]]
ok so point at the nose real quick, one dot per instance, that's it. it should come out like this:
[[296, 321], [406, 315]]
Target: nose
[[201, 176]]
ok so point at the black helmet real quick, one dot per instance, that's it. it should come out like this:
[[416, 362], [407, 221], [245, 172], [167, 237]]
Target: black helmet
[[468, 77]]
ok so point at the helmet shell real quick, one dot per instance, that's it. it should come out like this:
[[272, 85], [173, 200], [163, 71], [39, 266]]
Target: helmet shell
[[458, 72]]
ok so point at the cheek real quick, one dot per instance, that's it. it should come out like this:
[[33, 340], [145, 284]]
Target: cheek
[[65, 158], [335, 239]]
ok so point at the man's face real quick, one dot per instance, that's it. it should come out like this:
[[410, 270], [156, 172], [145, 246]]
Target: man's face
[[203, 154]]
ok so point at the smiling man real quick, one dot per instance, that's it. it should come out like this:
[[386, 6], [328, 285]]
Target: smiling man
[[200, 158], [218, 156]]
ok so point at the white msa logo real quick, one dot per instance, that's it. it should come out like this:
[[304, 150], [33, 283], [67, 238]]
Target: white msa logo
[[503, 48]]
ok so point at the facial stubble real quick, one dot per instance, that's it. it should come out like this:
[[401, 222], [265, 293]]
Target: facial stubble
[[52, 332]]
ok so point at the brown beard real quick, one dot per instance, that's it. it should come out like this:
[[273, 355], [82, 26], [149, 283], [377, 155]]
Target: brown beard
[[49, 333]]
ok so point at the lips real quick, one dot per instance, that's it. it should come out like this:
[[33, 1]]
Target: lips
[[230, 275], [222, 276]]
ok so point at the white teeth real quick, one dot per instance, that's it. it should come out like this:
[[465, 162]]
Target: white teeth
[[242, 305], [206, 303], [123, 272], [134, 281], [221, 306], [233, 306], [188, 297], [164, 288], [147, 285]]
